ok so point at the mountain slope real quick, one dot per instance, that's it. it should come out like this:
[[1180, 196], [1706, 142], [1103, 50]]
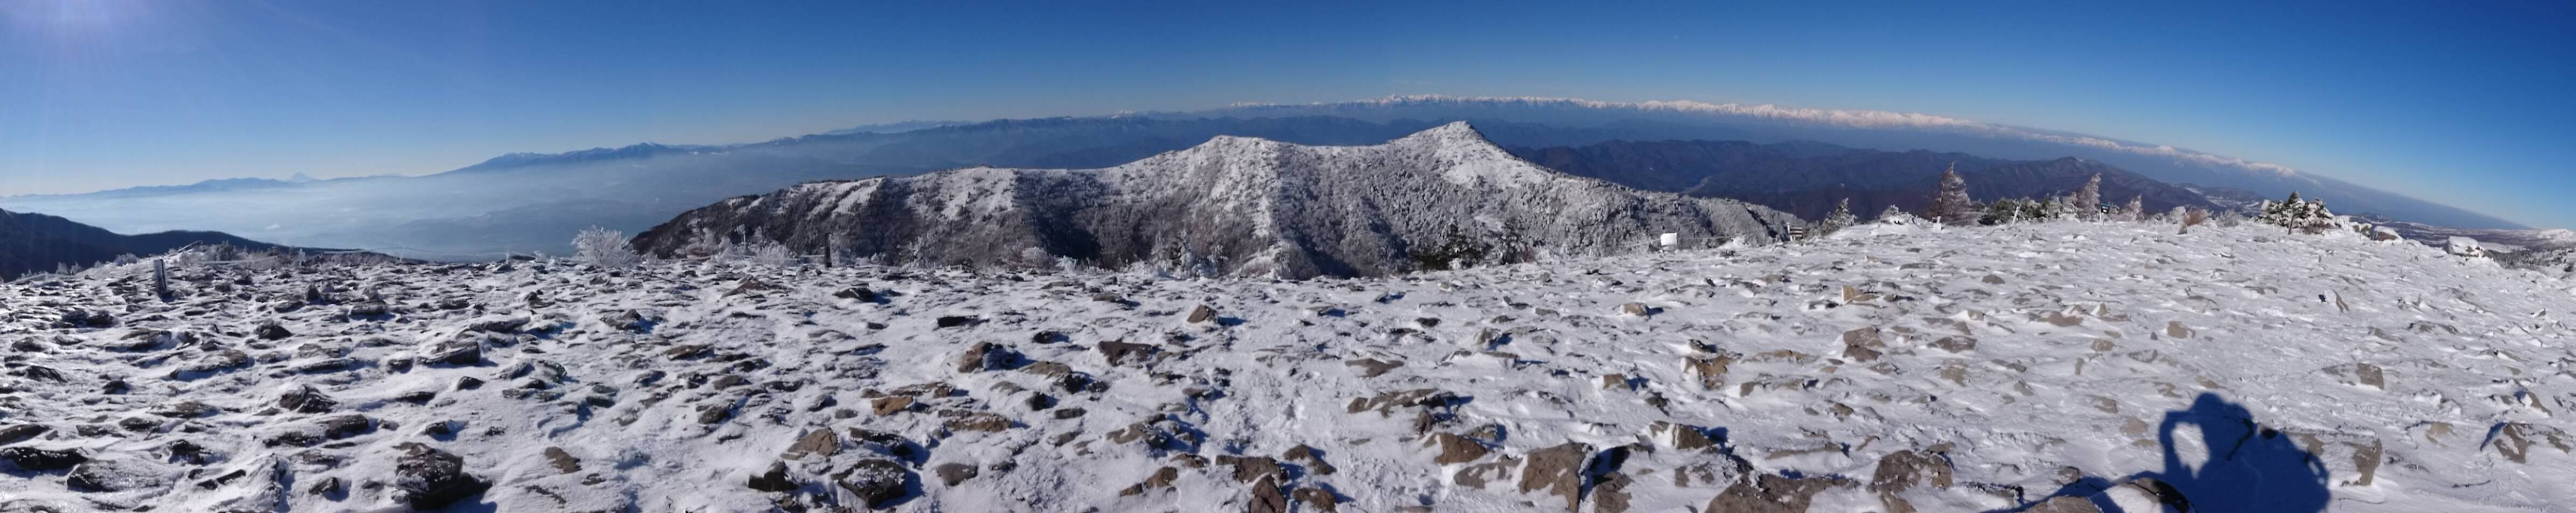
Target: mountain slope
[[37, 243], [1808, 178], [1236, 205]]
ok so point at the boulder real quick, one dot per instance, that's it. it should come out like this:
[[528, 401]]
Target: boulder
[[1558, 471], [306, 399], [876, 482], [1772, 493], [41, 460], [428, 478]]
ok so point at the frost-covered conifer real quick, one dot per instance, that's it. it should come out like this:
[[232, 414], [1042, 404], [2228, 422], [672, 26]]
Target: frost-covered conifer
[[1840, 218], [1952, 204], [2087, 203]]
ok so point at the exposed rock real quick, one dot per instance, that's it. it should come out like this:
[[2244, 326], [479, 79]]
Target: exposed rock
[[952, 473], [41, 460], [1203, 313], [428, 478], [562, 461], [2370, 375], [1267, 497], [463, 349], [306, 399], [1610, 493], [890, 405], [1371, 367], [1559, 471], [118, 473], [1249, 468], [21, 432], [272, 331], [1161, 480], [2513, 440], [1711, 370], [772, 480], [819, 442], [1456, 449], [1634, 309], [1771, 493], [1317, 499], [1123, 353], [983, 356], [1862, 345], [1905, 470], [2175, 329]]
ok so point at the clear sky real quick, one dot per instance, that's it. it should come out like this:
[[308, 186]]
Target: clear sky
[[2466, 103]]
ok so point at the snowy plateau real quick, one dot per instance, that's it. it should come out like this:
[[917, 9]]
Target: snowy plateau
[[2055, 367]]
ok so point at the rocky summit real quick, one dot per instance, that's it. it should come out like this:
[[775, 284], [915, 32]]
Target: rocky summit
[[2058, 367]]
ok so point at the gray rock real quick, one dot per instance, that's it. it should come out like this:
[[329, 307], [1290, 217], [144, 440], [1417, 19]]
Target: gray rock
[[428, 478]]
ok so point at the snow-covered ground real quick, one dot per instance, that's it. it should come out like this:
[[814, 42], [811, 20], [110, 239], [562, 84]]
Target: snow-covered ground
[[1912, 370]]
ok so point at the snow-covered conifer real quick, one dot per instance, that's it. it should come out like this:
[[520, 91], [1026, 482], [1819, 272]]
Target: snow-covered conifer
[[1835, 221], [2087, 202], [1952, 205]]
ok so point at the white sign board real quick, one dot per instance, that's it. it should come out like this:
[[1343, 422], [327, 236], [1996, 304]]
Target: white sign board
[[1669, 239]]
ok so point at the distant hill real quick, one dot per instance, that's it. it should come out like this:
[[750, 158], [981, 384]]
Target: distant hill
[[1808, 178], [32, 243]]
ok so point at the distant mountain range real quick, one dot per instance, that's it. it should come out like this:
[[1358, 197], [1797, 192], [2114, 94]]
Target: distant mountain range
[[31, 243], [1233, 206], [1808, 179], [528, 202]]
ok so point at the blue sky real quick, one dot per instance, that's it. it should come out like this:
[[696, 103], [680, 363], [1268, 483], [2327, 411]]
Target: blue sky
[[2468, 106]]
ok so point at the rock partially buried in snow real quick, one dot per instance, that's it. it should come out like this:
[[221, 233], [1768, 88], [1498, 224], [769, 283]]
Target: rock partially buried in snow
[[1202, 314], [428, 478]]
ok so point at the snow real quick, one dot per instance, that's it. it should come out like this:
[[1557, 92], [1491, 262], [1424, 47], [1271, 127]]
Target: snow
[[2088, 341]]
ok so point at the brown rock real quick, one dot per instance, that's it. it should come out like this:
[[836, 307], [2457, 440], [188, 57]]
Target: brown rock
[[1610, 493], [2370, 375], [1267, 497], [1456, 449], [1557, 470], [819, 442], [1771, 493], [2365, 461], [1250, 468], [2514, 440], [563, 461], [888, 405], [2175, 329], [1905, 470], [1711, 370], [1371, 367], [1317, 499], [1203, 313]]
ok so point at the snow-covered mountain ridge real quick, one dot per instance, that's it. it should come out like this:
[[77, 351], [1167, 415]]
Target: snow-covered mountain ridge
[[2037, 367], [1236, 205]]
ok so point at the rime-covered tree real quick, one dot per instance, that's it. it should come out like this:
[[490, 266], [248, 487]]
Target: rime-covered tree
[[2088, 200], [2136, 210], [1840, 218], [1952, 205]]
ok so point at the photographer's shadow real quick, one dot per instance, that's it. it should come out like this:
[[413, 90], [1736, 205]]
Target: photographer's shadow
[[2249, 468]]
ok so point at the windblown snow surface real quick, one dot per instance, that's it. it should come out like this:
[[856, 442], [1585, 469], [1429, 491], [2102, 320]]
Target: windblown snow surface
[[2048, 367]]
